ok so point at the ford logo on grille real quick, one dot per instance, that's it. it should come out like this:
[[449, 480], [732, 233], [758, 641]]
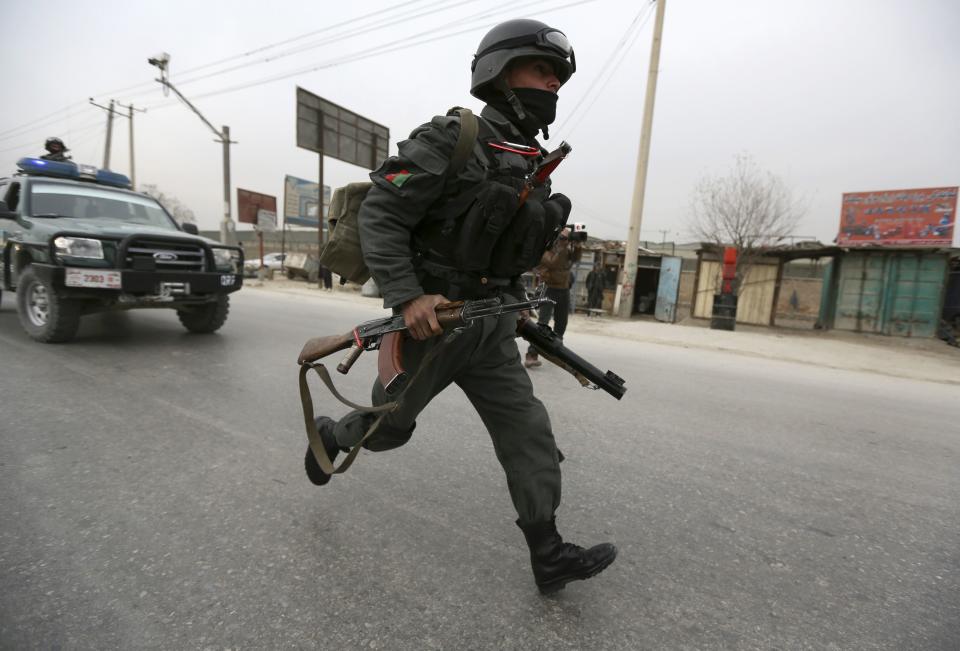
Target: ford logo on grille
[[164, 256]]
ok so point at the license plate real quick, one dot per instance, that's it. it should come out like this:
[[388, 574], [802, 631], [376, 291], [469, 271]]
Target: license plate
[[89, 278]]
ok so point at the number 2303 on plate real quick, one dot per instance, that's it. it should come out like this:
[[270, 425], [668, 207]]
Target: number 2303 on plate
[[90, 278]]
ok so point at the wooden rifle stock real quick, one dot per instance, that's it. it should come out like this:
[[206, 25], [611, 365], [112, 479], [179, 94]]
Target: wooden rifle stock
[[319, 347]]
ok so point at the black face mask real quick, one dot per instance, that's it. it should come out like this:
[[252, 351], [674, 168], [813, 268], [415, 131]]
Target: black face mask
[[541, 103], [539, 108]]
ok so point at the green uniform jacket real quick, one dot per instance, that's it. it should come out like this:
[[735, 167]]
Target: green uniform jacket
[[406, 192]]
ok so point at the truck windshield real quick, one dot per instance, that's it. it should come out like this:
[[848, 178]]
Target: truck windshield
[[60, 199]]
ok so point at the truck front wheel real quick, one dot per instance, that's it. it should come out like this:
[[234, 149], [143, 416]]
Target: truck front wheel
[[206, 318], [44, 314]]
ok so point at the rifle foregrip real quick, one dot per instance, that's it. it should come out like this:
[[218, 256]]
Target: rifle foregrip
[[348, 361]]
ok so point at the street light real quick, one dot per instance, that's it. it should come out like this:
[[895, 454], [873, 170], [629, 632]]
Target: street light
[[227, 229]]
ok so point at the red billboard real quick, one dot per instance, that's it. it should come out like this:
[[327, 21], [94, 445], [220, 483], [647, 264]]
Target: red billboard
[[923, 217], [248, 203]]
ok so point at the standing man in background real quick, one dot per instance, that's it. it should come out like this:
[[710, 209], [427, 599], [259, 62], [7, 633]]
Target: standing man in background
[[595, 287], [554, 270]]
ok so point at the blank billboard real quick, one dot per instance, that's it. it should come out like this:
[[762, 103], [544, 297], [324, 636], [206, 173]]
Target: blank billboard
[[327, 128]]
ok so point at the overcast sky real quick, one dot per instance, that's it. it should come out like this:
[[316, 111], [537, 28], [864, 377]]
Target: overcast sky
[[831, 95]]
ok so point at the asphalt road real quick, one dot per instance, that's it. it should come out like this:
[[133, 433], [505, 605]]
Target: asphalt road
[[152, 496]]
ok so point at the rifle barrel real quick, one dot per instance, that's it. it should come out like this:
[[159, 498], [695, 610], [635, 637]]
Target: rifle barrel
[[551, 345]]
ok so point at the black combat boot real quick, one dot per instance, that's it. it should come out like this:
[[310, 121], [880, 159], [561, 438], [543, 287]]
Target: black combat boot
[[556, 563], [315, 473]]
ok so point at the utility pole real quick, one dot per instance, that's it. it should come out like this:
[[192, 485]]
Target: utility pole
[[627, 281], [106, 148], [228, 233], [133, 169]]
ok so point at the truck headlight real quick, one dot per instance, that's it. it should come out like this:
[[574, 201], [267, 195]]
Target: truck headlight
[[78, 247], [226, 260]]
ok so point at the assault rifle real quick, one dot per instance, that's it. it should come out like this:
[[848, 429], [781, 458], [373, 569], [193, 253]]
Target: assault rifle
[[387, 335], [551, 347]]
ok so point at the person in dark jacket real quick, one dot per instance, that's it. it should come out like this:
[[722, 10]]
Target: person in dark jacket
[[424, 233], [555, 272], [595, 285]]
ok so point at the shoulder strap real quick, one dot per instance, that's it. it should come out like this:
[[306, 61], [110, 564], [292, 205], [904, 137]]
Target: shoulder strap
[[469, 127]]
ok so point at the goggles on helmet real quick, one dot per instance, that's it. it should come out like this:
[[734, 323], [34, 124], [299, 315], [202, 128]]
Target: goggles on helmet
[[546, 39]]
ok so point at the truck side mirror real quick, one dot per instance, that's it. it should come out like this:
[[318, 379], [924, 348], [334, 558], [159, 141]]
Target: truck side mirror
[[5, 212], [189, 228]]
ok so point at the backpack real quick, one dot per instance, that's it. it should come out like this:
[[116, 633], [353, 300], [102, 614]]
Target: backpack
[[342, 253]]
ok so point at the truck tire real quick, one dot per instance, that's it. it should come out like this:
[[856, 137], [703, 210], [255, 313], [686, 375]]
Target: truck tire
[[206, 318], [44, 314]]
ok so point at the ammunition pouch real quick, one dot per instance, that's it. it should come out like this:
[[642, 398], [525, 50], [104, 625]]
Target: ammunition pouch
[[481, 228]]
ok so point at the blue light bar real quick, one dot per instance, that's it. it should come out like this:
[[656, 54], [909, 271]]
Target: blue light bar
[[106, 177], [65, 170], [70, 170]]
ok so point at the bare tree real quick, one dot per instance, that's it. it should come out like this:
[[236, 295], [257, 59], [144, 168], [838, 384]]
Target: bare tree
[[748, 208], [174, 206]]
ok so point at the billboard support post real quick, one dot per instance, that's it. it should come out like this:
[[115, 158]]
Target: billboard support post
[[283, 231], [320, 217], [260, 237]]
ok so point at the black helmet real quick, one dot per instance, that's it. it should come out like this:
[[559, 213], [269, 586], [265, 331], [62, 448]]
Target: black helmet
[[515, 39], [48, 145]]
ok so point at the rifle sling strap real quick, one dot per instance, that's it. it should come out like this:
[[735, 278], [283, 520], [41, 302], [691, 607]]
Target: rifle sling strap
[[466, 139], [306, 401]]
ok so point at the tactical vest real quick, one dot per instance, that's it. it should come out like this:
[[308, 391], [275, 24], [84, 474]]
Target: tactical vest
[[479, 239], [476, 239]]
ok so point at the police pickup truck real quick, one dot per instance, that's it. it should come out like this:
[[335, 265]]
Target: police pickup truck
[[75, 239]]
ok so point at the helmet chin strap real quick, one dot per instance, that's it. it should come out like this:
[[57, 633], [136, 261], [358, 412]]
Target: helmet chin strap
[[517, 106], [512, 98]]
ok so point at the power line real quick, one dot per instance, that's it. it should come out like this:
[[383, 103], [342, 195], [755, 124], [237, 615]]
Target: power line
[[22, 129], [606, 67], [606, 81], [382, 48], [620, 54], [393, 46], [269, 46], [41, 123], [33, 143], [400, 44], [330, 40]]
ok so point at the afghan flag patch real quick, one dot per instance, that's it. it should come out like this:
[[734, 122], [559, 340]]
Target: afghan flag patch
[[398, 178]]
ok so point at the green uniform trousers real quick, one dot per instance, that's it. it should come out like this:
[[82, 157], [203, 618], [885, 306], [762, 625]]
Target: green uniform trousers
[[485, 363]]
